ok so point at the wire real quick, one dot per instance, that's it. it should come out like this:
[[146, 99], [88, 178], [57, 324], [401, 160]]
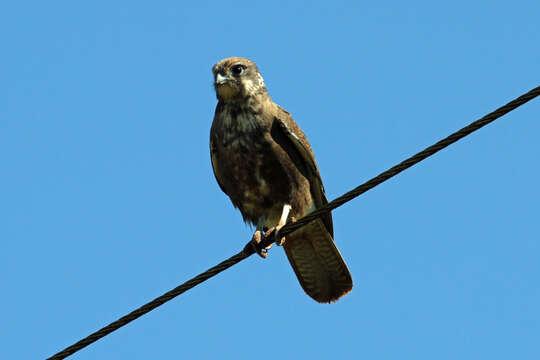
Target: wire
[[290, 227], [405, 164]]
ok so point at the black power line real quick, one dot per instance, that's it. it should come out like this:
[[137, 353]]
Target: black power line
[[290, 227]]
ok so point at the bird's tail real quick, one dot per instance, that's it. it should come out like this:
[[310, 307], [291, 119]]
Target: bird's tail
[[317, 263]]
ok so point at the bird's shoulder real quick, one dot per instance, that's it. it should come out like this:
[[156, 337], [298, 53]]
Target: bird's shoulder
[[287, 121]]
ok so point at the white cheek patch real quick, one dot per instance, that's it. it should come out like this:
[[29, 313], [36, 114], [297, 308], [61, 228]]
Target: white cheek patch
[[248, 84], [260, 80], [251, 86]]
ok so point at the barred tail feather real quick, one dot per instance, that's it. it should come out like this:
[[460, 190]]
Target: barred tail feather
[[317, 263]]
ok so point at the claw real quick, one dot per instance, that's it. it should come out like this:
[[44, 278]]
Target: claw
[[256, 245], [273, 232], [257, 239]]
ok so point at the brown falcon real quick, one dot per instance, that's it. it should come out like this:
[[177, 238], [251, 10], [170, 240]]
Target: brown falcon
[[264, 163]]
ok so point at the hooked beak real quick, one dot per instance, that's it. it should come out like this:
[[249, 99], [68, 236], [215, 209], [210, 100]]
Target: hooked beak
[[220, 79]]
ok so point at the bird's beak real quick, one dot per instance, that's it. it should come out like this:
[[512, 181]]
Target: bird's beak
[[220, 79]]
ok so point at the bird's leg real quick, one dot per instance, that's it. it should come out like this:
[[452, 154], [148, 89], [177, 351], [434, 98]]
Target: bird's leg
[[256, 239], [282, 221]]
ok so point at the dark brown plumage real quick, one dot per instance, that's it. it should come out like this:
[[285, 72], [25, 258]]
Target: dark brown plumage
[[263, 162]]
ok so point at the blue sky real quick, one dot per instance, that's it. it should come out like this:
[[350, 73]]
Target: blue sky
[[108, 198]]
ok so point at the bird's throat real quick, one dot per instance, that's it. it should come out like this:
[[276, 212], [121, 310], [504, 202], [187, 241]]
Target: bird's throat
[[227, 92]]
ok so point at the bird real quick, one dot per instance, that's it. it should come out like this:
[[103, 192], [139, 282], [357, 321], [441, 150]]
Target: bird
[[264, 163]]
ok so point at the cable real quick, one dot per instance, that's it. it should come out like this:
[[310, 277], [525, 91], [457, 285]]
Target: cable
[[290, 227], [405, 164]]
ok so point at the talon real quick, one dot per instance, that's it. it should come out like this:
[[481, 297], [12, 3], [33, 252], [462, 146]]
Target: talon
[[279, 242], [257, 239], [273, 232], [256, 244]]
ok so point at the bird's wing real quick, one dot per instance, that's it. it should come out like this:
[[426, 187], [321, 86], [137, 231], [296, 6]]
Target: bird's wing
[[293, 141]]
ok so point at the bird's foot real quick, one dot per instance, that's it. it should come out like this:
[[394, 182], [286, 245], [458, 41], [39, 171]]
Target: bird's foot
[[270, 236], [257, 245], [274, 232]]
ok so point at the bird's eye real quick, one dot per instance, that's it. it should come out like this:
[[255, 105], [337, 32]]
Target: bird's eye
[[237, 70]]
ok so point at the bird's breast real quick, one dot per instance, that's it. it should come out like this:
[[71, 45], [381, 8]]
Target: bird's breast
[[247, 162]]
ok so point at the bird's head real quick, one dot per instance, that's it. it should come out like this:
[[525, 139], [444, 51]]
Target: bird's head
[[236, 79]]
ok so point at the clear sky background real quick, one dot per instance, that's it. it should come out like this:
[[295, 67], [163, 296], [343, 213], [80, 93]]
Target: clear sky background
[[108, 198]]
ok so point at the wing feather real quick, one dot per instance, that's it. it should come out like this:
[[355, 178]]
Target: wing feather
[[293, 141]]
